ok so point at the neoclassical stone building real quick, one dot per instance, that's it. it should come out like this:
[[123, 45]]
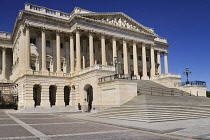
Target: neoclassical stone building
[[61, 60]]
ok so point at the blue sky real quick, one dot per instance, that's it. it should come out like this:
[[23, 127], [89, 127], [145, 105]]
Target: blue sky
[[185, 23]]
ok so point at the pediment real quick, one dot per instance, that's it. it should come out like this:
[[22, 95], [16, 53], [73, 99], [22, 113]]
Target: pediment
[[120, 20]]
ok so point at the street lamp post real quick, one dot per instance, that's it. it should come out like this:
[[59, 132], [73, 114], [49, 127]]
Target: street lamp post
[[187, 72]]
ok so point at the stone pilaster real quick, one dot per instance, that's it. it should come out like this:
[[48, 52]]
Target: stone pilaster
[[166, 62], [72, 53], [125, 56], [91, 54], [43, 50], [78, 53], [45, 99], [103, 49], [58, 51], [144, 63], [159, 62], [152, 70], [27, 48], [3, 72]]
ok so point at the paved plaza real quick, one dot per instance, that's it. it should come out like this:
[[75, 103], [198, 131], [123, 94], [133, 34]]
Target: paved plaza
[[63, 126]]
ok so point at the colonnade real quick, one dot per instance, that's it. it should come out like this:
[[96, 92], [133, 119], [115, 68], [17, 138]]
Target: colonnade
[[103, 53]]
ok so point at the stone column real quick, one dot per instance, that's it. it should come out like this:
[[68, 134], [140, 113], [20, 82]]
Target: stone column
[[125, 56], [72, 53], [152, 70], [166, 62], [27, 49], [144, 63], [114, 47], [91, 54], [78, 53], [3, 72], [159, 62], [135, 59], [43, 50], [58, 51], [103, 49]]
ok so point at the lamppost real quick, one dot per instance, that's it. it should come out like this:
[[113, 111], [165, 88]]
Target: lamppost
[[187, 72]]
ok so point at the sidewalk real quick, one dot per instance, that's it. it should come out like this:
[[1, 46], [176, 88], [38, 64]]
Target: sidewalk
[[185, 129]]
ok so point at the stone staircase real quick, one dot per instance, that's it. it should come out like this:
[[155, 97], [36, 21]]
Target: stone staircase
[[151, 88], [157, 108]]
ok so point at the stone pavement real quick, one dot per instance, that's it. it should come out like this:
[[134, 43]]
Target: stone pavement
[[69, 126], [181, 129]]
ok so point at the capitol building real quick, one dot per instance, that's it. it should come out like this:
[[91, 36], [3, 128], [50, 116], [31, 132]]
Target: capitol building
[[83, 60]]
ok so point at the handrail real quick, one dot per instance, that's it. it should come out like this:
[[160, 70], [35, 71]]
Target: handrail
[[162, 91]]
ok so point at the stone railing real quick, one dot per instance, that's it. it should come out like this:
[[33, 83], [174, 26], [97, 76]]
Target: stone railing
[[46, 11], [160, 39], [97, 67], [5, 35], [173, 75], [190, 83]]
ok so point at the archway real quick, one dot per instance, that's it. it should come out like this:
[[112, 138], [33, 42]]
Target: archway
[[66, 95], [37, 95], [52, 95], [89, 91]]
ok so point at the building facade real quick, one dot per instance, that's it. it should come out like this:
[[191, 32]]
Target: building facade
[[57, 59]]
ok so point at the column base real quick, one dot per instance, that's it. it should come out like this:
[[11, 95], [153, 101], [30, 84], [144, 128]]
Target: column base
[[145, 78], [138, 77], [45, 72]]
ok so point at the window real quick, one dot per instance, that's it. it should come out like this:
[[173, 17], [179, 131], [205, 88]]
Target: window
[[48, 65], [131, 56], [62, 67], [33, 67], [122, 55], [139, 58], [61, 45], [33, 41], [47, 43], [147, 58]]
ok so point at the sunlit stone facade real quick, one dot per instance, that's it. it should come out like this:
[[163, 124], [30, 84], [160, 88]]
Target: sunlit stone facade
[[56, 58]]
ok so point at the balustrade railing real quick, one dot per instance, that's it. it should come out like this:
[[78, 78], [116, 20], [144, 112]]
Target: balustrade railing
[[116, 76], [43, 10], [190, 83], [5, 35]]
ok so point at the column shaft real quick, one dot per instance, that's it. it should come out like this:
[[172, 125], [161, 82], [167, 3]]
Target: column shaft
[[152, 71], [91, 49], [103, 50], [135, 59], [144, 61], [78, 53], [166, 62], [114, 47], [159, 62], [4, 63], [72, 52], [58, 52], [125, 57], [43, 51]]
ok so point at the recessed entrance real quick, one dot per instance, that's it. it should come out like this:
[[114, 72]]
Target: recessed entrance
[[37, 95], [52, 95], [67, 95], [89, 91]]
